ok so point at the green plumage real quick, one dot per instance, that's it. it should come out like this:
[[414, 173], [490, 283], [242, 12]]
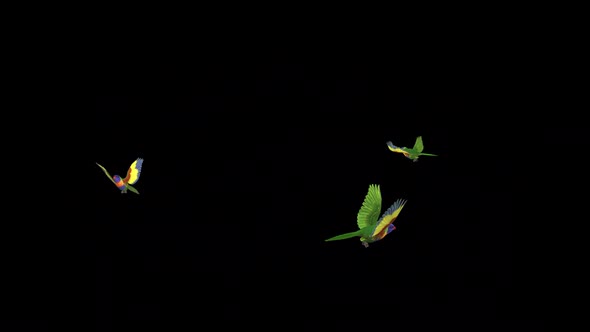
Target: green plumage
[[412, 153], [346, 235], [369, 212], [128, 186], [367, 218]]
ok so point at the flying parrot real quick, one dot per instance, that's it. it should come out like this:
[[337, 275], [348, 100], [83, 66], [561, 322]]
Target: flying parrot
[[371, 228], [131, 178], [412, 153]]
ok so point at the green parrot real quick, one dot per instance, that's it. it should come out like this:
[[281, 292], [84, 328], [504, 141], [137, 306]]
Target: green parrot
[[371, 227], [412, 153]]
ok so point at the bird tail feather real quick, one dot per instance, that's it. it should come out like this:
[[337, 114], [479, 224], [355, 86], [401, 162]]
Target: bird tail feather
[[345, 236], [132, 189]]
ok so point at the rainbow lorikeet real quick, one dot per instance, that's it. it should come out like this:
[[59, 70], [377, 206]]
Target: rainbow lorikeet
[[412, 153], [371, 227], [131, 178]]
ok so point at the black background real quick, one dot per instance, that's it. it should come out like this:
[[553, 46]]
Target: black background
[[254, 155], [251, 164]]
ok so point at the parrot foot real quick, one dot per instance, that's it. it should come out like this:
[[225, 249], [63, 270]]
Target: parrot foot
[[365, 244]]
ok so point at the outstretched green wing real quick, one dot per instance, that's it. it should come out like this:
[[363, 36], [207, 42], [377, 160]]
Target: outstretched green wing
[[418, 146], [369, 212], [107, 173]]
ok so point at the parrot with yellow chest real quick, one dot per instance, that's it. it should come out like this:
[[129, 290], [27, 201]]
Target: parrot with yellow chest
[[132, 177]]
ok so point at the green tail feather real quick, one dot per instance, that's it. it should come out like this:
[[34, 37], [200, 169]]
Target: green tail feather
[[132, 189], [345, 236], [428, 154]]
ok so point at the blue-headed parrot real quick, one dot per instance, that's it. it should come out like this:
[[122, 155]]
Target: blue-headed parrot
[[412, 153], [131, 178], [371, 227]]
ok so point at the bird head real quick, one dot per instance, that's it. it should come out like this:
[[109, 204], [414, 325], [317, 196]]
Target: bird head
[[117, 178]]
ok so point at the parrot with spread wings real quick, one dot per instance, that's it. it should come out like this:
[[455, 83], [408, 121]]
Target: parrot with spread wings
[[371, 227], [412, 153], [131, 178]]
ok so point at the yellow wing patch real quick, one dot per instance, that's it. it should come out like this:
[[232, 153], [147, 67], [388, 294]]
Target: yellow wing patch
[[389, 216], [134, 171], [397, 149]]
